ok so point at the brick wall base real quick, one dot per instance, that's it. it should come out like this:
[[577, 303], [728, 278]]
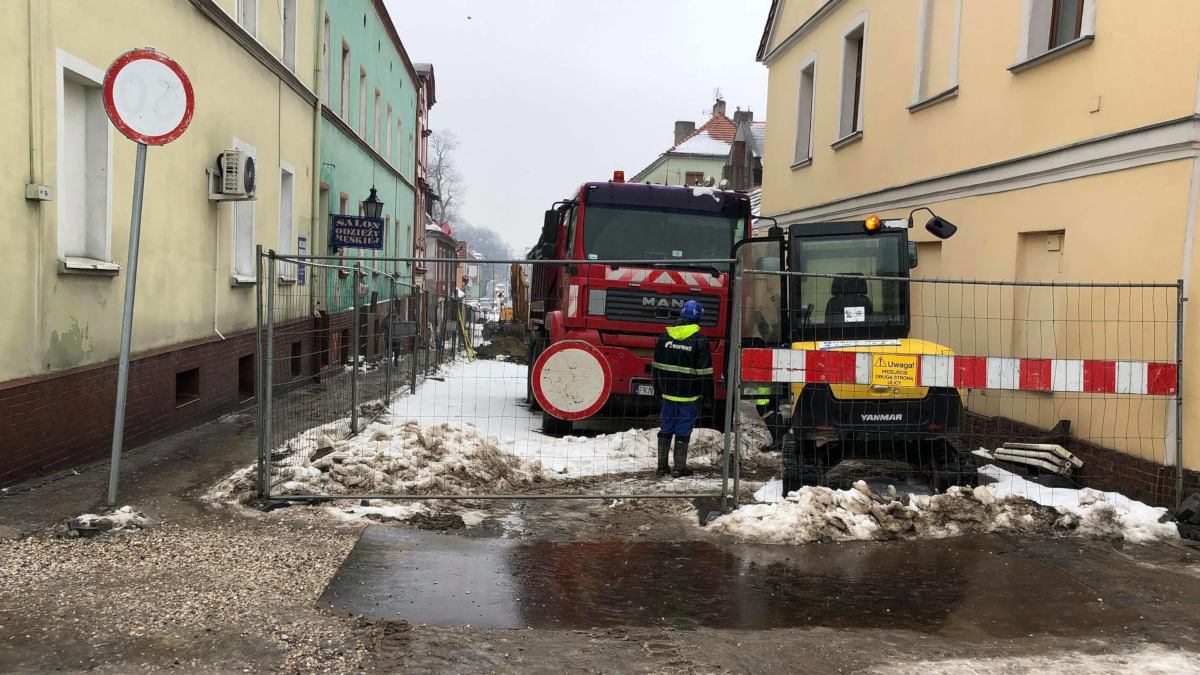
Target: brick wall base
[[61, 420], [1103, 468]]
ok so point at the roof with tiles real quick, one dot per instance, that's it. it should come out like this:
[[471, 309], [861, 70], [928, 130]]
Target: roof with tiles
[[713, 138]]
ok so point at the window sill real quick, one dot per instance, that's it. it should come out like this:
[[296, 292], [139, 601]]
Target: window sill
[[950, 93], [240, 281], [802, 163], [88, 266], [1077, 43], [847, 140]]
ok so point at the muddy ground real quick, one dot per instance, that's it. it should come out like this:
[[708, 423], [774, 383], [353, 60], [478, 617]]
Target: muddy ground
[[635, 587]]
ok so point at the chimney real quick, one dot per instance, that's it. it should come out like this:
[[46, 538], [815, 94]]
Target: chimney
[[683, 129], [719, 107], [739, 115]]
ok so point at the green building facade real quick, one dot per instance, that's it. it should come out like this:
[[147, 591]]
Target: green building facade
[[368, 136]]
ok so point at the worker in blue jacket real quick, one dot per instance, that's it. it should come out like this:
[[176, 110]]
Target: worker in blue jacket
[[683, 373]]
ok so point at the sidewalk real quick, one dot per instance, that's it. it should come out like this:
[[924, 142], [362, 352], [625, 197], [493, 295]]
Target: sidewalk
[[162, 479]]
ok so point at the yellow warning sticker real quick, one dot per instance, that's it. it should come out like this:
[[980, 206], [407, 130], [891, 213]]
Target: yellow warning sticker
[[893, 371]]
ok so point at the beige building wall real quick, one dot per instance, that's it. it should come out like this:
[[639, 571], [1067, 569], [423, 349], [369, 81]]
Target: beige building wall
[[185, 290], [1079, 166]]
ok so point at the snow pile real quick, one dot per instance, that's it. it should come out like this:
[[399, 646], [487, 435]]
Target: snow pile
[[124, 518], [409, 458], [1139, 522], [821, 514]]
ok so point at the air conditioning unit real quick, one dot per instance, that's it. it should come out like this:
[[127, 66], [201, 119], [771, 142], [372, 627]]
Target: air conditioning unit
[[234, 177]]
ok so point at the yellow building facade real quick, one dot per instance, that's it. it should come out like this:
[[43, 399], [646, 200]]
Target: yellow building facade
[[252, 65], [1061, 136]]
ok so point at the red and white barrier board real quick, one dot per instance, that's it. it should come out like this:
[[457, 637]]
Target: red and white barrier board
[[963, 372]]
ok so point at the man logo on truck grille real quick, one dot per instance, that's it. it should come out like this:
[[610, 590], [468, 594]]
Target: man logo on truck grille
[[675, 303], [894, 417]]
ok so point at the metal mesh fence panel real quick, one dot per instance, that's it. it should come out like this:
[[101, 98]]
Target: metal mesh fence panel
[[508, 381], [1032, 387]]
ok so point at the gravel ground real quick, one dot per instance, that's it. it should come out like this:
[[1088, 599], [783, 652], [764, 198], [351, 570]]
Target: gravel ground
[[172, 588]]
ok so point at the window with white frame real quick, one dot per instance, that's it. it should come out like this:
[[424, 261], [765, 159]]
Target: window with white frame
[[378, 110], [850, 112], [287, 226], [804, 110], [84, 163], [345, 102], [939, 26], [1047, 25], [288, 7], [387, 130], [325, 57], [362, 102], [242, 249], [247, 16]]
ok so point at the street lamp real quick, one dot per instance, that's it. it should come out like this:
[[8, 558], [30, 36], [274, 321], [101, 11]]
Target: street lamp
[[373, 207]]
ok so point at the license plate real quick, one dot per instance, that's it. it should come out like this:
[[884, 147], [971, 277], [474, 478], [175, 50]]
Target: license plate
[[644, 390], [893, 371]]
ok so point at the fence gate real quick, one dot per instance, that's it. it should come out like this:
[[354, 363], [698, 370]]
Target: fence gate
[[891, 377], [379, 388]]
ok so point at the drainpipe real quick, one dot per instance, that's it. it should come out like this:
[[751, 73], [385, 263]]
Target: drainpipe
[[34, 148], [314, 224], [217, 268]]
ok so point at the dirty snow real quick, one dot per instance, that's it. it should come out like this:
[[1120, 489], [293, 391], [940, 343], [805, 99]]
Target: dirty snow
[[1085, 512], [124, 518], [823, 514], [463, 435], [1149, 660]]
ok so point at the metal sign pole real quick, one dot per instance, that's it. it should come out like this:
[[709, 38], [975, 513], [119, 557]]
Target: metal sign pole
[[135, 233]]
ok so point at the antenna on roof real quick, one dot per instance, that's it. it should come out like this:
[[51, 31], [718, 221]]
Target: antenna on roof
[[717, 94]]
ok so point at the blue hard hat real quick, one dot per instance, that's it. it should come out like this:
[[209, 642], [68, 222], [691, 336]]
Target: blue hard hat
[[692, 310]]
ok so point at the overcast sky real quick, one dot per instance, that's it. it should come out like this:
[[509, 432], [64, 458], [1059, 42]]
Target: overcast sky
[[546, 95]]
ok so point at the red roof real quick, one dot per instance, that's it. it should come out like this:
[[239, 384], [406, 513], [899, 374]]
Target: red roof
[[718, 127]]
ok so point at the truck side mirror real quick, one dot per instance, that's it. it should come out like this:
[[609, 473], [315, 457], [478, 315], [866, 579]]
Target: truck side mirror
[[550, 227], [912, 255], [941, 228]]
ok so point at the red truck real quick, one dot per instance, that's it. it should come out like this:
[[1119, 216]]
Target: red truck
[[595, 322]]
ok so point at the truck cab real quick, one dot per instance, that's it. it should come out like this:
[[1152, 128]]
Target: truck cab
[[681, 238]]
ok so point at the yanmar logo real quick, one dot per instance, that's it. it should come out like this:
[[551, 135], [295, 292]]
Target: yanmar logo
[[649, 301], [894, 417]]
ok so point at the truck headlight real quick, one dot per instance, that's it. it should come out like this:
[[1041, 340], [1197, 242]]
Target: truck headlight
[[596, 302]]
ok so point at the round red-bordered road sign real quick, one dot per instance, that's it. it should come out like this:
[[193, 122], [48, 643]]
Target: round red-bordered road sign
[[148, 97], [571, 380]]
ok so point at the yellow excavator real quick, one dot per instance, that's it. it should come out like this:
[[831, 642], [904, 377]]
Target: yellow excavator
[[842, 287]]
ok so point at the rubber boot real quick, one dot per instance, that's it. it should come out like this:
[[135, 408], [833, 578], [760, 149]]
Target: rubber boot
[[681, 467], [664, 449]]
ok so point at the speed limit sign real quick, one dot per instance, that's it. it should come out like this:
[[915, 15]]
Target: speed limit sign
[[148, 97]]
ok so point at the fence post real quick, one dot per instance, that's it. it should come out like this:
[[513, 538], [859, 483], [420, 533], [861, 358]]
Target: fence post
[[355, 350], [733, 386], [269, 379], [416, 352], [390, 332], [259, 397], [1180, 300]]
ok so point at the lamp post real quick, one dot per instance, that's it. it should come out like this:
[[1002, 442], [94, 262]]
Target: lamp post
[[373, 206]]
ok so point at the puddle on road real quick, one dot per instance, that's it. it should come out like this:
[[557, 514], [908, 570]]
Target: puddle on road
[[969, 586]]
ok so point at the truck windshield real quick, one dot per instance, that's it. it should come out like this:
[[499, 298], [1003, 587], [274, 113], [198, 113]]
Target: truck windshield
[[611, 233], [851, 301]]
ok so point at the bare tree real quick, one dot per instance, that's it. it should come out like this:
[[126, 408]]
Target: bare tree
[[444, 177]]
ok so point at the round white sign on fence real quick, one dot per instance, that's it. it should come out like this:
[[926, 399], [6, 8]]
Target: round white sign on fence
[[148, 97], [571, 380]]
